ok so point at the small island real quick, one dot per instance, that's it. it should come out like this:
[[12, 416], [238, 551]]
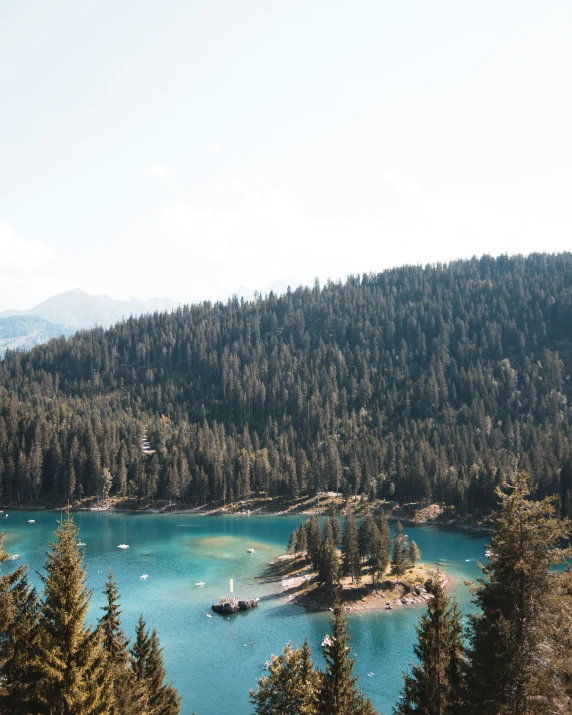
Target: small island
[[363, 568], [228, 606]]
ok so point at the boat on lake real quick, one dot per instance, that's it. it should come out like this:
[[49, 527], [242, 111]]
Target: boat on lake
[[144, 576], [250, 551], [31, 521], [200, 583], [123, 546]]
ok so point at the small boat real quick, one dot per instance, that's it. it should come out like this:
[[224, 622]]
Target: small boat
[[13, 557], [81, 543], [200, 583], [31, 521], [250, 551], [123, 546], [208, 615], [370, 675], [6, 516], [144, 576], [267, 665]]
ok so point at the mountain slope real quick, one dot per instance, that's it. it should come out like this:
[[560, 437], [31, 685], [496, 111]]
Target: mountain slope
[[414, 384], [67, 312]]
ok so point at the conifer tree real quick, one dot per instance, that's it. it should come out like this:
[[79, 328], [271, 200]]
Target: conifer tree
[[336, 529], [339, 693], [379, 557], [161, 698], [434, 685], [291, 686], [365, 537], [413, 554], [314, 541], [329, 571], [301, 541], [128, 692], [350, 549], [509, 671], [70, 663], [399, 555], [18, 637]]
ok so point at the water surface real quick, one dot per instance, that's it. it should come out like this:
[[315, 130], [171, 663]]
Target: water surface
[[214, 662]]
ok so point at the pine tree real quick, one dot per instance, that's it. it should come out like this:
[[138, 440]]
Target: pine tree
[[379, 558], [314, 541], [301, 541], [70, 663], [365, 537], [350, 549], [509, 670], [434, 685], [128, 693], [413, 554], [339, 694], [161, 698], [329, 571], [399, 555], [291, 686], [18, 638]]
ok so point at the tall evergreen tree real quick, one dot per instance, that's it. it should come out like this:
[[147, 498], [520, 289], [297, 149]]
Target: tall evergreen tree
[[129, 696], [509, 670], [339, 693], [291, 686], [18, 638], [350, 549], [70, 663], [161, 698], [399, 554], [435, 684]]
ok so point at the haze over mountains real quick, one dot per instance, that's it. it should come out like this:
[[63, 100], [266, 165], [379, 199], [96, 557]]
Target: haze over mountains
[[68, 312]]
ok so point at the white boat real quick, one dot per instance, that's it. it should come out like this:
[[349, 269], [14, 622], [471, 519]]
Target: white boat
[[250, 551], [144, 576], [208, 615], [200, 583], [123, 546], [6, 516], [13, 557], [31, 521], [81, 543]]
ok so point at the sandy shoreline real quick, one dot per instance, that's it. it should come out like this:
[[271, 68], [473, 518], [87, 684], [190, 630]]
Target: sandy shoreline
[[298, 589]]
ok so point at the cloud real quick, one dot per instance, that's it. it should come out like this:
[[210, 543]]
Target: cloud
[[159, 171], [257, 236], [17, 253], [403, 185]]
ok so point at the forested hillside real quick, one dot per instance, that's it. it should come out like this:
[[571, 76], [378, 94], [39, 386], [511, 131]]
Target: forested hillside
[[414, 384]]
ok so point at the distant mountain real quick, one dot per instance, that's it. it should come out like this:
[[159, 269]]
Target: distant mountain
[[68, 312]]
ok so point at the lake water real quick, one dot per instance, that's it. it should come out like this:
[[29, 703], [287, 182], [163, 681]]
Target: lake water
[[214, 662]]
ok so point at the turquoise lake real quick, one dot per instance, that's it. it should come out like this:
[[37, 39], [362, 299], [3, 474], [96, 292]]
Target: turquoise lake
[[214, 662]]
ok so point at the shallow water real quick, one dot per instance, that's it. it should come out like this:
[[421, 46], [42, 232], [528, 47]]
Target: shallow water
[[214, 662]]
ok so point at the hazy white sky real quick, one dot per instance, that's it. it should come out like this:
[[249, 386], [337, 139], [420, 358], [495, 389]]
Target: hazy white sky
[[183, 149]]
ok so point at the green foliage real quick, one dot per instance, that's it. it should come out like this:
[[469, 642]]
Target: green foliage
[[69, 662], [511, 636], [147, 659], [350, 549], [291, 686], [413, 554], [18, 637], [435, 684], [414, 384], [399, 556], [339, 694]]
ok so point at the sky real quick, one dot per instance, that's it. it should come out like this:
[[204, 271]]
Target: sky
[[185, 149]]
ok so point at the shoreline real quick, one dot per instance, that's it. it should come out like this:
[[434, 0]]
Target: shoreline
[[249, 508], [391, 593]]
